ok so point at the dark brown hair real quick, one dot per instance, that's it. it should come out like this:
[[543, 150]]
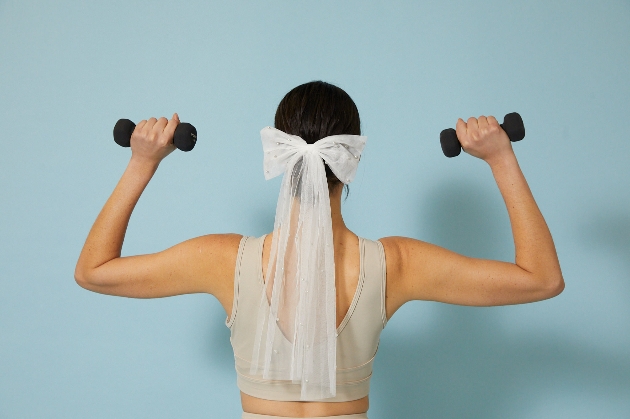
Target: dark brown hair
[[316, 110]]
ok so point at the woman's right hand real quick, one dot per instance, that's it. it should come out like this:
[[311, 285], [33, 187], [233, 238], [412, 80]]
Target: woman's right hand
[[152, 139], [484, 138]]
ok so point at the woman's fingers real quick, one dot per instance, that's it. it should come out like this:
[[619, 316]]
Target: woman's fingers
[[481, 137], [475, 128], [160, 124], [169, 129], [158, 130], [461, 129], [149, 124], [153, 139]]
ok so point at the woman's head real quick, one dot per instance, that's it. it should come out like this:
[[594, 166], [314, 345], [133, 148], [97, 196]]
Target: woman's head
[[316, 110]]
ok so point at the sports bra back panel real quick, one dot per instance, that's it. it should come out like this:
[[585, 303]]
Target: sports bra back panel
[[357, 336]]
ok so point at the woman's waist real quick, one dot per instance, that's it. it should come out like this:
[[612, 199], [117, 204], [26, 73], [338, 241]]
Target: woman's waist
[[301, 409]]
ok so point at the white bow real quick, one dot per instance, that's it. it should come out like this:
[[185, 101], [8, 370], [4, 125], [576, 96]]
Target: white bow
[[299, 299], [279, 147]]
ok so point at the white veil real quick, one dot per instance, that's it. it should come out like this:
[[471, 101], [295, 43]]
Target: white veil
[[296, 326]]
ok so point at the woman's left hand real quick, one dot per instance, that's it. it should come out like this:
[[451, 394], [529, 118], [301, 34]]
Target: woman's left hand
[[152, 140], [483, 137]]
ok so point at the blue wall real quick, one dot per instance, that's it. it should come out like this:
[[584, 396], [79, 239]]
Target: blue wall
[[69, 70]]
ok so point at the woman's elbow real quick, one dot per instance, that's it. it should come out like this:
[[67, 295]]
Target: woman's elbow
[[81, 278], [554, 285], [85, 278]]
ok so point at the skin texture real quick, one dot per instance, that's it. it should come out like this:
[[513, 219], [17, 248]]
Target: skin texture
[[416, 270]]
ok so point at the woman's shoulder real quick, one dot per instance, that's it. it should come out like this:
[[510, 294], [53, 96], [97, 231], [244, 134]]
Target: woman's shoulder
[[402, 255], [212, 255], [393, 247], [405, 252], [218, 243]]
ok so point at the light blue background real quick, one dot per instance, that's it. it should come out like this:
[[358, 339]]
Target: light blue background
[[69, 70]]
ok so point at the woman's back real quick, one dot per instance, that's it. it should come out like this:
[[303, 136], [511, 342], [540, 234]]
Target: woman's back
[[347, 267], [410, 269], [360, 319]]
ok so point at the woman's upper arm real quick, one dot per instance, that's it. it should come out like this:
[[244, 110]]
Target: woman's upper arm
[[201, 265], [418, 270]]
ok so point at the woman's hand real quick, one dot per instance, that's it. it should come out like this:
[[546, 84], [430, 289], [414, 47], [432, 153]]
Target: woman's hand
[[152, 140], [483, 137]]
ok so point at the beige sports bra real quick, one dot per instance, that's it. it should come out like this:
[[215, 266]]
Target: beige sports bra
[[358, 333]]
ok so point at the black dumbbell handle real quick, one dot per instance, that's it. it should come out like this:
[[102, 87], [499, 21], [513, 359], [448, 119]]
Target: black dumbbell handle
[[512, 125], [185, 136]]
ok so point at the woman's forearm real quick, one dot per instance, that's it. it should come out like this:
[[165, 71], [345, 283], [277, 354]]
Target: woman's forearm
[[534, 247], [105, 240]]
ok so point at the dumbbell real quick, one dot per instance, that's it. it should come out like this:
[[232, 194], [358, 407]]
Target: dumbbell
[[512, 125], [185, 136]]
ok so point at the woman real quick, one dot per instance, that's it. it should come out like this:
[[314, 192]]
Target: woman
[[257, 280]]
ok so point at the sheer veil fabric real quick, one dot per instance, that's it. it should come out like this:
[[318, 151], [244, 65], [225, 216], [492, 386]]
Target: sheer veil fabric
[[296, 330]]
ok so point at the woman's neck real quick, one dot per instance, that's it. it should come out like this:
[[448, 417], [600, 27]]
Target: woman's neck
[[338, 225]]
